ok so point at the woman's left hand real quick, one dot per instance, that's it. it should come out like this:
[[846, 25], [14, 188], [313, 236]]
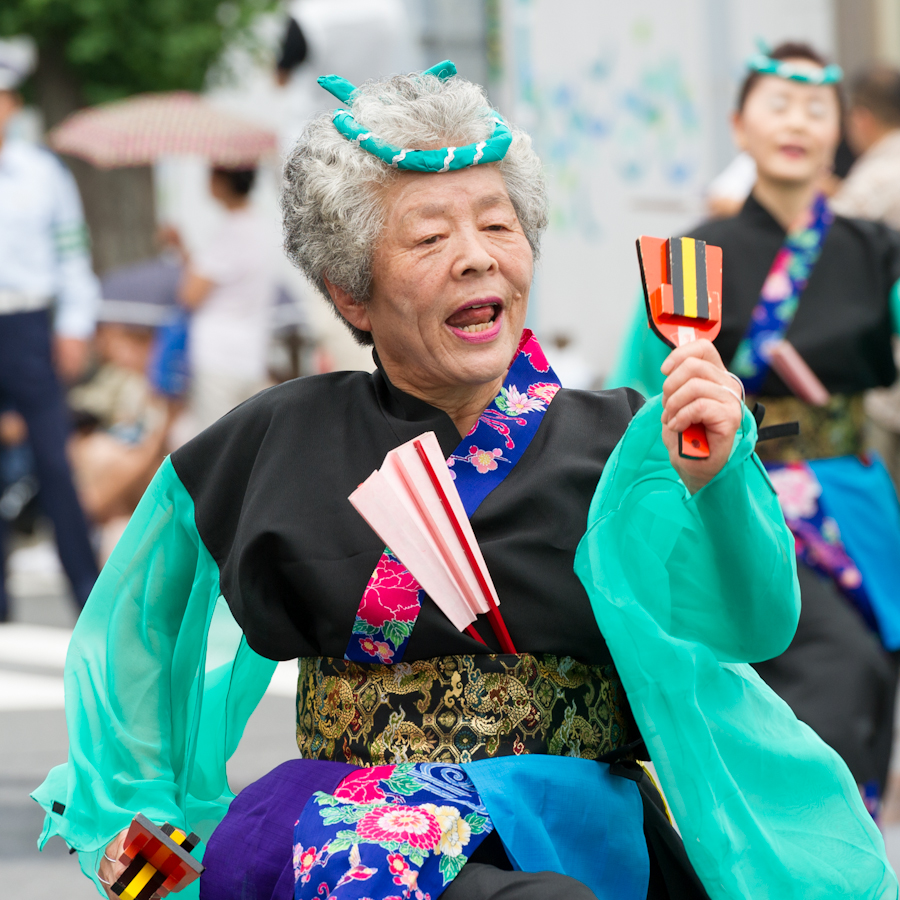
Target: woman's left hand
[[111, 868], [699, 390]]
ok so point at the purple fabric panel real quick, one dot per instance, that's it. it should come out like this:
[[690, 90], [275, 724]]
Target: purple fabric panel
[[249, 856]]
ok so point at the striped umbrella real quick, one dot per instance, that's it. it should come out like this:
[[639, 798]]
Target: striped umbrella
[[138, 130]]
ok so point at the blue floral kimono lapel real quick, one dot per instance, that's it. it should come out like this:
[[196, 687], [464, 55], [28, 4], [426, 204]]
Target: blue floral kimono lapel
[[486, 455], [780, 296]]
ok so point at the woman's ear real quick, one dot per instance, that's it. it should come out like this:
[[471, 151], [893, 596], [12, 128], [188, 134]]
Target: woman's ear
[[737, 131], [353, 311]]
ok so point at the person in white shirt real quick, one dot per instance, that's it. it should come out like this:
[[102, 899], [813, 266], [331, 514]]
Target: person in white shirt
[[230, 288], [49, 297], [872, 191], [361, 39]]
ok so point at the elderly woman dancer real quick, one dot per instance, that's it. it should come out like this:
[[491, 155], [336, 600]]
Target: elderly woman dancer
[[430, 764]]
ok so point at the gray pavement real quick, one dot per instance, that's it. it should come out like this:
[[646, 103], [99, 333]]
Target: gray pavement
[[33, 735]]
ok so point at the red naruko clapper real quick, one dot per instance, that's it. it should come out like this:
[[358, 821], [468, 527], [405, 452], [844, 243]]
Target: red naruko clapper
[[682, 279]]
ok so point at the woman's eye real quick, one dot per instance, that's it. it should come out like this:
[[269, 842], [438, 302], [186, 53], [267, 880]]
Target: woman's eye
[[778, 103], [496, 227], [430, 240], [816, 109]]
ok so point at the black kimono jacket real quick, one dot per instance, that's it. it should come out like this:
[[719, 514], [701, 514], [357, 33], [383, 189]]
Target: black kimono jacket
[[270, 483]]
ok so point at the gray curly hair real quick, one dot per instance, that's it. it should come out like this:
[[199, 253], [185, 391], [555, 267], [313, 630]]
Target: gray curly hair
[[332, 196]]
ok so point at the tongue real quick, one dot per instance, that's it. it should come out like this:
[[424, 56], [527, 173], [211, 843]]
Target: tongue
[[472, 316]]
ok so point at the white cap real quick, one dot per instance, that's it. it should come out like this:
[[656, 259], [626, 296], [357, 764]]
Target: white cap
[[18, 57]]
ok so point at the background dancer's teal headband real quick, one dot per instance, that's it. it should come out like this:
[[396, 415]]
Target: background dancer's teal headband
[[445, 159], [808, 74]]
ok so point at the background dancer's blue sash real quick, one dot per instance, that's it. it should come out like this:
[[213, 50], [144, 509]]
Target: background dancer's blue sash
[[780, 295]]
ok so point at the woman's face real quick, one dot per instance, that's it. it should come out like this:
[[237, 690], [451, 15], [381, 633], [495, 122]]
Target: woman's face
[[790, 128], [451, 276]]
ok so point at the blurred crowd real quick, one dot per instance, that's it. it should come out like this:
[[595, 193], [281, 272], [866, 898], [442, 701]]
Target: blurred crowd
[[101, 377], [163, 349]]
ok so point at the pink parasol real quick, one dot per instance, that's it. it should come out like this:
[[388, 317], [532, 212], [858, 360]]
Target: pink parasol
[[138, 130]]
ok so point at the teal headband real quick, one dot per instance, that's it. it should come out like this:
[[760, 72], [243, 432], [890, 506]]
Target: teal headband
[[790, 71], [445, 159]]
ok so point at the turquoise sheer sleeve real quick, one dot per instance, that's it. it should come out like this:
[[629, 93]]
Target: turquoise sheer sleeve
[[159, 685], [687, 591], [640, 357], [895, 308]]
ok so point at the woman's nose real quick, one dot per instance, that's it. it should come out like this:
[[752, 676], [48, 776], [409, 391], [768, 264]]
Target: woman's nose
[[474, 253], [798, 117]]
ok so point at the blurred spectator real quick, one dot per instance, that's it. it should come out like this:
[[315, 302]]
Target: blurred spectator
[[361, 39], [293, 53], [121, 425], [230, 288], [18, 484], [872, 191], [146, 293], [43, 257], [292, 344]]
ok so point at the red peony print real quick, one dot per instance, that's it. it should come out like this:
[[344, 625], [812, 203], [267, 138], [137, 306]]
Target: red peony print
[[412, 824], [361, 786], [391, 595]]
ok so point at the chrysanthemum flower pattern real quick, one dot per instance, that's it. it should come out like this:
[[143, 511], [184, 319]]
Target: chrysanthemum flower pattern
[[412, 825], [405, 831]]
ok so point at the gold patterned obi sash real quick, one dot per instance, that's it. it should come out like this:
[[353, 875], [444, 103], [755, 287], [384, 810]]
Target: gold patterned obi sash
[[835, 429], [456, 709]]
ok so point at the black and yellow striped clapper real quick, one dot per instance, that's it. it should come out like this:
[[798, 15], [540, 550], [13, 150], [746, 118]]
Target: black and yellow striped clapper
[[686, 273], [156, 857]]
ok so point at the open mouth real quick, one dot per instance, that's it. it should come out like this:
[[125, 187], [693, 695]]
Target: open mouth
[[478, 317]]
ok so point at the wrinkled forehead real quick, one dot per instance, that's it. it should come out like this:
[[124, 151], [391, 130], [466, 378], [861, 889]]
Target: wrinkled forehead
[[414, 196]]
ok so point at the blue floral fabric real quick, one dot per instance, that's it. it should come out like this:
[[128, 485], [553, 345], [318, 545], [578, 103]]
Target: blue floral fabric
[[780, 295], [817, 537], [400, 832], [404, 832]]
